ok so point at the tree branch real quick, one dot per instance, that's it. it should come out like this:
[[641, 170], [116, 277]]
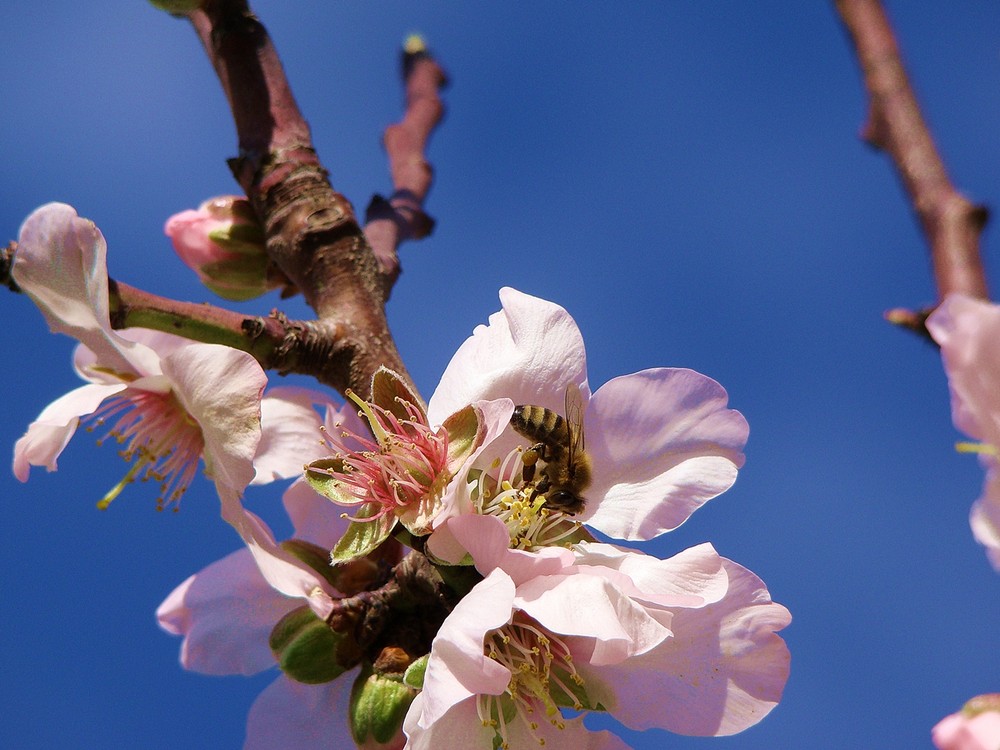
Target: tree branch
[[401, 217], [312, 232], [276, 342], [950, 222]]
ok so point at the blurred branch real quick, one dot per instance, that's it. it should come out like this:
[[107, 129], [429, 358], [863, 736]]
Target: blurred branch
[[312, 232], [401, 217], [950, 222]]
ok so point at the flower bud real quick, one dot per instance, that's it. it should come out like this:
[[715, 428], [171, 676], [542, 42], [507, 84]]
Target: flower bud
[[306, 648], [223, 243], [380, 699], [975, 727]]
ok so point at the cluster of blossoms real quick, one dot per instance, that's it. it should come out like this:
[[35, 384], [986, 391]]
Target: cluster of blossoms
[[508, 621]]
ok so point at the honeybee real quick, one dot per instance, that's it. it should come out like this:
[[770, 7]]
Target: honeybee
[[559, 446]]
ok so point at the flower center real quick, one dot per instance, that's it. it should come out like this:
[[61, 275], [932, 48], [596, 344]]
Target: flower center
[[406, 464], [543, 678], [161, 441], [530, 522]]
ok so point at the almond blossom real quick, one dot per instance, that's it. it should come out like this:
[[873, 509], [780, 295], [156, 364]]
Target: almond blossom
[[172, 401], [696, 631], [967, 330], [168, 401], [660, 442]]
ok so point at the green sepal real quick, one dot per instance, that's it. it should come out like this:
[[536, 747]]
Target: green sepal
[[246, 240], [465, 433], [318, 476], [237, 279], [363, 537], [389, 388], [306, 648], [414, 675], [379, 703]]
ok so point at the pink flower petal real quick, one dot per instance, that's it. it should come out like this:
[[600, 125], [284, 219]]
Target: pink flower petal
[[967, 330], [61, 263], [662, 442], [723, 671], [529, 352], [315, 519], [459, 728], [290, 433], [226, 613], [220, 388], [282, 570], [487, 540], [458, 667], [462, 729], [985, 516], [292, 716], [961, 732], [619, 626], [49, 434], [691, 578]]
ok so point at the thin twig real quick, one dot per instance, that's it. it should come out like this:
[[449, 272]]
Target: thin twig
[[401, 217], [951, 223]]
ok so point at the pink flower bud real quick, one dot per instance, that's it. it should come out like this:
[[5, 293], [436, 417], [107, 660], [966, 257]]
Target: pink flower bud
[[223, 243], [975, 727]]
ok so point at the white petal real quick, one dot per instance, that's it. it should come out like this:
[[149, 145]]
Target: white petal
[[619, 626], [723, 671], [529, 352], [49, 434], [282, 570], [290, 433], [691, 578], [292, 716], [314, 518], [458, 667], [226, 613], [662, 442], [220, 387], [61, 263]]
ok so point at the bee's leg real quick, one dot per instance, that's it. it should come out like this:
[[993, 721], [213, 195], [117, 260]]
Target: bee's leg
[[529, 459]]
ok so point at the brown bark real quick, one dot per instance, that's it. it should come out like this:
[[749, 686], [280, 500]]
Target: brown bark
[[401, 217], [312, 232], [951, 223]]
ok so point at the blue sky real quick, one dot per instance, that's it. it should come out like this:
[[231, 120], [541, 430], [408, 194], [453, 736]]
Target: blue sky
[[684, 178]]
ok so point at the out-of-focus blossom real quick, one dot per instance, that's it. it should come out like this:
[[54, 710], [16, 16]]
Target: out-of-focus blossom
[[226, 614], [660, 442], [696, 631], [975, 727], [167, 400], [968, 331], [222, 242]]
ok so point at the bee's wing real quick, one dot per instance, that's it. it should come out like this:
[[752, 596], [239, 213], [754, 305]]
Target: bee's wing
[[574, 420]]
